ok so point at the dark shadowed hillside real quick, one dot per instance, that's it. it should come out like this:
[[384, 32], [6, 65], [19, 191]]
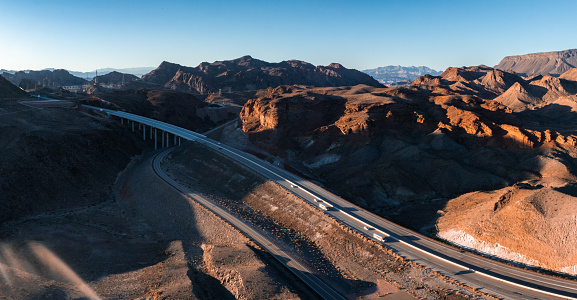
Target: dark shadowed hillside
[[9, 90], [174, 107], [114, 78]]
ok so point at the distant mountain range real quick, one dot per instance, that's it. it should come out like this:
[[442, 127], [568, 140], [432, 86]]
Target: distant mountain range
[[545, 63], [392, 75], [138, 72], [46, 78]]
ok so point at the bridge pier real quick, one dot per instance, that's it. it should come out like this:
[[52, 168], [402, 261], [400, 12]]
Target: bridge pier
[[163, 139], [174, 140], [139, 126], [179, 141], [132, 126], [144, 132], [155, 141]]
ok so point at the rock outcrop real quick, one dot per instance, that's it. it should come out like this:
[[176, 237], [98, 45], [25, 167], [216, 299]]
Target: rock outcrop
[[544, 63], [247, 73]]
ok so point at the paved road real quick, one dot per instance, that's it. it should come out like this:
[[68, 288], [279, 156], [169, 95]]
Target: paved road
[[302, 272], [489, 276]]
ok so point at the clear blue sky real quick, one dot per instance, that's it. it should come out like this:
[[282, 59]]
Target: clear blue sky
[[85, 35]]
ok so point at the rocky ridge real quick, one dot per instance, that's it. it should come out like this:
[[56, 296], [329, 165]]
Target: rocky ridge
[[246, 73]]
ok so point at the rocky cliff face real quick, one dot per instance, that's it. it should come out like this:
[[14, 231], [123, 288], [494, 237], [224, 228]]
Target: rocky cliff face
[[8, 90], [46, 78], [406, 152], [545, 63], [247, 73]]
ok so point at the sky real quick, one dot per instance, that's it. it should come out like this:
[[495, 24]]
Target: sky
[[83, 35]]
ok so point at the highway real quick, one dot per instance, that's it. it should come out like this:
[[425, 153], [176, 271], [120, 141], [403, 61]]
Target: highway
[[302, 272], [486, 275]]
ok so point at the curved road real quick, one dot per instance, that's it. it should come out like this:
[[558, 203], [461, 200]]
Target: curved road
[[486, 275], [302, 272]]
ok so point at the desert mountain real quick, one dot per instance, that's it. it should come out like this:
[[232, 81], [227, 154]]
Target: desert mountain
[[408, 153], [9, 90], [545, 63], [44, 78], [518, 98], [114, 78], [247, 73], [395, 74], [138, 72], [505, 87]]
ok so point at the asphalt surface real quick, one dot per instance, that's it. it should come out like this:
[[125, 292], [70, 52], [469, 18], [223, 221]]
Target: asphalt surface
[[302, 272], [489, 276]]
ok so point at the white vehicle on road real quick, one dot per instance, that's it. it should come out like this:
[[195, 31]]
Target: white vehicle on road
[[323, 207], [379, 237]]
